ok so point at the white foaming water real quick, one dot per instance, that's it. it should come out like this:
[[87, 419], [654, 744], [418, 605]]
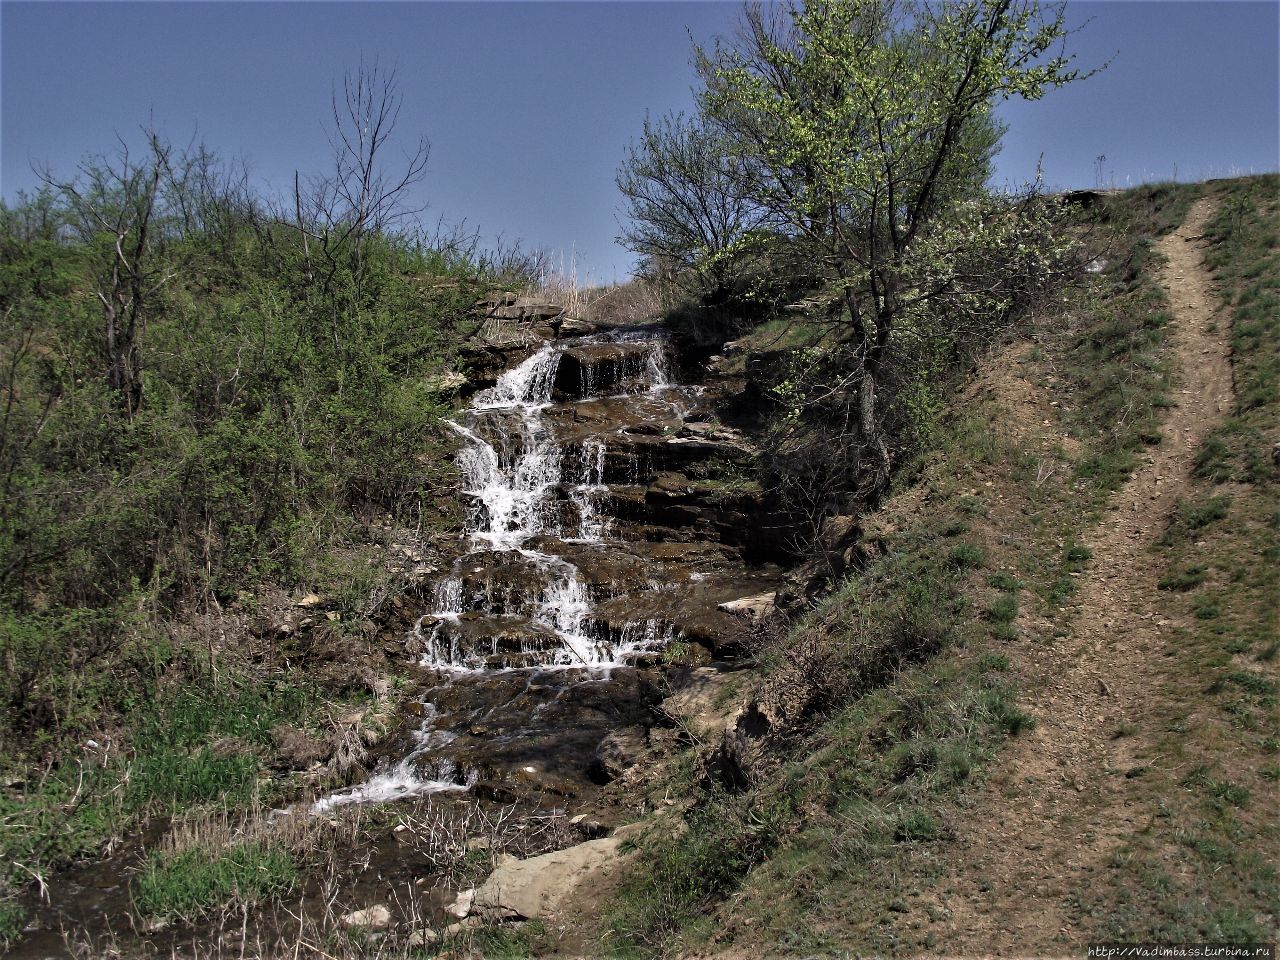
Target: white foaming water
[[511, 479], [586, 495], [409, 777], [512, 466]]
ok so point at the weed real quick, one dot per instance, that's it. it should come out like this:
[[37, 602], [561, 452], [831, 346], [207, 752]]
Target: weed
[[993, 661], [1000, 706], [194, 882], [1004, 581], [916, 825], [1207, 608], [12, 918], [1182, 580], [1252, 682], [966, 555], [1229, 792], [1003, 609], [1194, 514], [1075, 556]]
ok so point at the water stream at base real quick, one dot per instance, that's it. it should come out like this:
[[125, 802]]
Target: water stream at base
[[529, 492]]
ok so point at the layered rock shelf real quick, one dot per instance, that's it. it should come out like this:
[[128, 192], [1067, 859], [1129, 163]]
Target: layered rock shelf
[[608, 519]]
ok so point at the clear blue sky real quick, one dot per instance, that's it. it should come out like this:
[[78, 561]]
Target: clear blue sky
[[528, 106]]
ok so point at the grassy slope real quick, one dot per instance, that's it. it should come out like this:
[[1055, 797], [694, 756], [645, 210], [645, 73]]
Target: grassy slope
[[1206, 864], [835, 849], [146, 563]]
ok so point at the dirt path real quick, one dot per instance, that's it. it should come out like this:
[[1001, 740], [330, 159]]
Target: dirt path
[[1060, 802]]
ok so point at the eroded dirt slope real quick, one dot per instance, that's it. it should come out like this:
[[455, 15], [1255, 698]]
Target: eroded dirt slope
[[1060, 801]]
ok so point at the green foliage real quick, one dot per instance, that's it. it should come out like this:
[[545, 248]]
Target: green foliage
[[196, 881], [1195, 513], [966, 556], [1003, 609], [200, 744], [1182, 580], [725, 837], [12, 918], [916, 825], [685, 212]]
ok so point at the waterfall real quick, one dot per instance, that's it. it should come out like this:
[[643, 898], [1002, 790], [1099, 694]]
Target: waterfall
[[530, 494]]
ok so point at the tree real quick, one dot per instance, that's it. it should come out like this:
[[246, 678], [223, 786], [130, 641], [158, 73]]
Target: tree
[[359, 197], [684, 211], [861, 127], [113, 208]]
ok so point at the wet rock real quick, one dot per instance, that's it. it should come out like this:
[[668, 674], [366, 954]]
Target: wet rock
[[376, 917], [667, 484], [494, 792], [600, 368], [619, 751]]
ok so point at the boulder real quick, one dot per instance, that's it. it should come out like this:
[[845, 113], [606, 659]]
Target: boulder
[[570, 327], [461, 907], [760, 605], [541, 886], [534, 309], [619, 751], [497, 298], [445, 382]]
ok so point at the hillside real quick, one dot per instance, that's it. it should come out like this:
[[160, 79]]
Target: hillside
[[1021, 700], [1076, 738]]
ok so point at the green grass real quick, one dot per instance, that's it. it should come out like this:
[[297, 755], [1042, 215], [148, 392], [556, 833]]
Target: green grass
[[12, 919], [200, 743], [966, 555], [196, 882], [1188, 578]]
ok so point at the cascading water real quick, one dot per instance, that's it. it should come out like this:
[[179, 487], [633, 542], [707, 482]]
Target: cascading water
[[529, 493]]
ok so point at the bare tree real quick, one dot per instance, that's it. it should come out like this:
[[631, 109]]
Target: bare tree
[[684, 209], [116, 200], [360, 197]]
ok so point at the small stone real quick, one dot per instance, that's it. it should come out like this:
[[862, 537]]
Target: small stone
[[453, 929], [461, 907], [756, 607], [310, 600], [376, 917]]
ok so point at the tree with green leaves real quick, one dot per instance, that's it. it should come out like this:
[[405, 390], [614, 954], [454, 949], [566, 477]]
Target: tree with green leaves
[[862, 128]]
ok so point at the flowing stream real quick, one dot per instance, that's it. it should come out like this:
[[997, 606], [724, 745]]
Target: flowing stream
[[516, 602]]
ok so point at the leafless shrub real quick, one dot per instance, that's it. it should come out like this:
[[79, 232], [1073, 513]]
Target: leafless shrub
[[444, 834], [634, 302]]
